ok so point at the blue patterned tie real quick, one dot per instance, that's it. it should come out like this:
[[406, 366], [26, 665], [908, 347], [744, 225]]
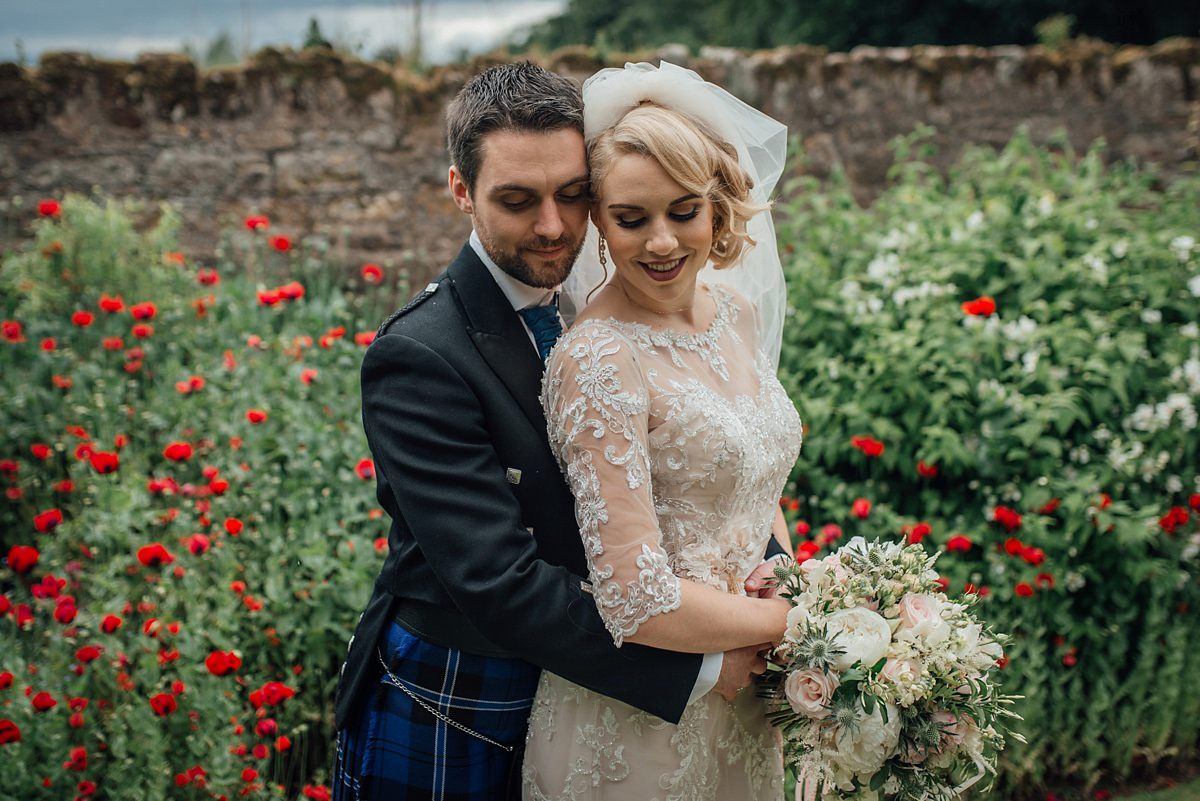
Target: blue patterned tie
[[544, 325]]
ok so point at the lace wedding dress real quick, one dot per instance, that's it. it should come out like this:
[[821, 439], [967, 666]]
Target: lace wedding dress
[[677, 447]]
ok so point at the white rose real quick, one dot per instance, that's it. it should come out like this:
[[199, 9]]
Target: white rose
[[809, 692], [797, 620], [865, 752], [864, 634], [921, 617]]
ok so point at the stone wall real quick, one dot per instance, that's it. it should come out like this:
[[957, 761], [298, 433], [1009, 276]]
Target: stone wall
[[354, 151]]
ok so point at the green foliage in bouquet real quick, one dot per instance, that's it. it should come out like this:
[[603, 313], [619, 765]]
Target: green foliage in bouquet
[[189, 527], [1003, 365]]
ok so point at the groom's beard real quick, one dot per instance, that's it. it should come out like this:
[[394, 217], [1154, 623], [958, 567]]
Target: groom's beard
[[529, 268]]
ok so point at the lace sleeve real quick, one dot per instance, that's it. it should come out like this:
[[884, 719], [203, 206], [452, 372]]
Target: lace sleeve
[[596, 402]]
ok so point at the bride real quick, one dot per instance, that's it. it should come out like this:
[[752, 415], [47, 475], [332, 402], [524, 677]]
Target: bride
[[675, 435]]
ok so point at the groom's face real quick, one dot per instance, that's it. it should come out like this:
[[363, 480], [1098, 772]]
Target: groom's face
[[530, 202]]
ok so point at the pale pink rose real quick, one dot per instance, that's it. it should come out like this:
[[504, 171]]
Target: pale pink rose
[[905, 670], [920, 614], [955, 729], [809, 692]]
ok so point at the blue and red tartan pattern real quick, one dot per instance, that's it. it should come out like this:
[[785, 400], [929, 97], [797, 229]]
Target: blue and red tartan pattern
[[396, 750]]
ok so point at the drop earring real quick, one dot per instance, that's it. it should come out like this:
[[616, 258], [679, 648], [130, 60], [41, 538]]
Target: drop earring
[[603, 255]]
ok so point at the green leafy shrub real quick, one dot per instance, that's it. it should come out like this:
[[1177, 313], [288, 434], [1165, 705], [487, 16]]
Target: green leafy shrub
[[1004, 363], [182, 451]]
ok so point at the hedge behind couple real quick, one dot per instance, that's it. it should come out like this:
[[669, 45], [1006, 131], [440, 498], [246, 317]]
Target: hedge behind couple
[[575, 597]]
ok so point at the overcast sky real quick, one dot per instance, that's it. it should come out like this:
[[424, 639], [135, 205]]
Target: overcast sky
[[124, 28]]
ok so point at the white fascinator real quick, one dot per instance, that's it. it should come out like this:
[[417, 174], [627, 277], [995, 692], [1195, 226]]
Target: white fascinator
[[761, 143]]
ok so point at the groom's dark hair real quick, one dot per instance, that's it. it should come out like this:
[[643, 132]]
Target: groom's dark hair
[[508, 97]]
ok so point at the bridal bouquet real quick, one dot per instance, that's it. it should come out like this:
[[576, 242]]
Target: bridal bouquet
[[883, 686]]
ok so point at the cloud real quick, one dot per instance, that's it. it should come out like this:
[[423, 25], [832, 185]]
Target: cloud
[[128, 27]]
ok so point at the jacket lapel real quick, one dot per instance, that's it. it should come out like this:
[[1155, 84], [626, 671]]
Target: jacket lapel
[[498, 333]]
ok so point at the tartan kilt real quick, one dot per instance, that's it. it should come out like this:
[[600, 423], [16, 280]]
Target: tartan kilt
[[394, 749]]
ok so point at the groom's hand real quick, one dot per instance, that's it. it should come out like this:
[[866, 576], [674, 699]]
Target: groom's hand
[[738, 669], [762, 581]]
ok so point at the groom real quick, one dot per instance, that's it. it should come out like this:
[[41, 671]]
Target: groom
[[484, 584]]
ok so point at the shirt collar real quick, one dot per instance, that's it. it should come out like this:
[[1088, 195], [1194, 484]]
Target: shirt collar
[[521, 296]]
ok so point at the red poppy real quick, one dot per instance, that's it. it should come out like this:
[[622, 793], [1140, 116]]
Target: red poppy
[[163, 704], [1024, 589], [67, 611], [1176, 517], [1049, 507], [6, 680], [372, 273], [1009, 518], [83, 318], [269, 297], [1013, 546], [22, 558], [207, 276], [365, 469], [48, 520], [86, 787], [868, 445], [802, 528], [280, 243], [317, 791], [110, 623], [66, 485], [980, 307], [9, 733], [943, 583], [249, 775], [110, 304], [861, 508], [47, 344], [11, 331], [283, 742], [1044, 581], [919, 532], [178, 451], [88, 653], [364, 338], [24, 616], [142, 330], [256, 222], [266, 727], [49, 208], [61, 382], [78, 761], [143, 311], [154, 555], [8, 466], [43, 701], [256, 416], [308, 374], [292, 290], [926, 470], [1032, 555], [252, 603], [830, 533], [222, 663], [104, 461], [958, 543], [237, 585], [274, 692], [218, 486], [198, 544], [113, 343]]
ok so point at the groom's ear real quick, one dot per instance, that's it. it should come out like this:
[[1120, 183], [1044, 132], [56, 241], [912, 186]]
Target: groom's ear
[[459, 191]]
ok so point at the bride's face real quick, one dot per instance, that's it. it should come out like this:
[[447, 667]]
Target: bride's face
[[659, 234]]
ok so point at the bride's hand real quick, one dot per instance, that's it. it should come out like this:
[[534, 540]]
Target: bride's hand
[[778, 609]]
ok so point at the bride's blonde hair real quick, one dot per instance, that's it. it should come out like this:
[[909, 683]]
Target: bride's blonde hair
[[695, 158]]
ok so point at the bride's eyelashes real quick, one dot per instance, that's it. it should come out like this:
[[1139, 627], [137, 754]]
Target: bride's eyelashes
[[677, 216]]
